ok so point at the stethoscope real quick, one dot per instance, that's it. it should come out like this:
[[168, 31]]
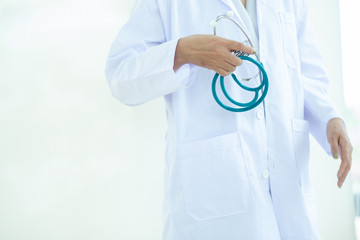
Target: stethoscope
[[259, 91]]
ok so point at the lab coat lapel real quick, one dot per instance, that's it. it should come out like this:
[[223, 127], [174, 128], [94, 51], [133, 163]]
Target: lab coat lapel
[[230, 4], [259, 7], [260, 4]]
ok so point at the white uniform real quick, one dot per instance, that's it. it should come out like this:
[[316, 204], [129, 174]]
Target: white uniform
[[229, 176]]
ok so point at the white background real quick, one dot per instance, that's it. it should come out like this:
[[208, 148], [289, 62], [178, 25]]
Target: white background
[[75, 163]]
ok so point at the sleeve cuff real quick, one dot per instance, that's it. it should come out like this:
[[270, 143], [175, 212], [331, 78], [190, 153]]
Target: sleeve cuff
[[186, 73]]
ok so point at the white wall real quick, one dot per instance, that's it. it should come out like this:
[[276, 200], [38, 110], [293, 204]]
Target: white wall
[[76, 164], [335, 207], [69, 163]]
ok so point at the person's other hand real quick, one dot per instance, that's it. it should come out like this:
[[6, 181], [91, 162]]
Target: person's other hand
[[210, 51], [340, 146]]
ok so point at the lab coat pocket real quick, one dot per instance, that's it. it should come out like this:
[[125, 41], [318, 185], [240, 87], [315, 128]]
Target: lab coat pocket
[[215, 177], [289, 38], [300, 130]]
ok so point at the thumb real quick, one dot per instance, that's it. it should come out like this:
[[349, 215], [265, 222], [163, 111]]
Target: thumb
[[334, 147]]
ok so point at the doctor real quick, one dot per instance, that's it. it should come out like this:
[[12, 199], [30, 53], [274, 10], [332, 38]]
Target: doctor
[[232, 176]]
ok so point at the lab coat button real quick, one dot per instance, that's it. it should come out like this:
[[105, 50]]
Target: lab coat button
[[266, 174], [260, 114]]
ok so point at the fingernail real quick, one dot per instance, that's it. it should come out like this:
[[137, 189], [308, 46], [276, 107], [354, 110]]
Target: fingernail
[[254, 51], [336, 155]]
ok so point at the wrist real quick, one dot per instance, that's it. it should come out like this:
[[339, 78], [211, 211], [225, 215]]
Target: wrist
[[335, 120], [180, 56]]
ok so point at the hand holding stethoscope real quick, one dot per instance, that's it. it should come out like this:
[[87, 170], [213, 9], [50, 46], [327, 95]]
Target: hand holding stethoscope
[[216, 53], [211, 52]]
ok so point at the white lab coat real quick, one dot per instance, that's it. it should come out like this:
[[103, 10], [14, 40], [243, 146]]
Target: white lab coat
[[229, 176]]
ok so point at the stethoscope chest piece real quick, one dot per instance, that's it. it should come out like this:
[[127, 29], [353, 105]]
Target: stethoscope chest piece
[[259, 92]]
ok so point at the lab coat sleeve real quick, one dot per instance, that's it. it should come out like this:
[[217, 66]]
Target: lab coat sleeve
[[318, 107], [140, 63]]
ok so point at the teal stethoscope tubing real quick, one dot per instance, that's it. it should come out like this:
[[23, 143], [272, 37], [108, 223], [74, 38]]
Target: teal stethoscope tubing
[[243, 106], [263, 75]]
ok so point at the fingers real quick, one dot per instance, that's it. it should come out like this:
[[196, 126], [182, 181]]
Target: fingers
[[223, 68], [343, 176], [228, 66], [238, 46], [346, 160], [223, 72], [233, 60]]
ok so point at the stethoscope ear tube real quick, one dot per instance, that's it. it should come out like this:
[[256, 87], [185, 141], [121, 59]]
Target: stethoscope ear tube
[[243, 107]]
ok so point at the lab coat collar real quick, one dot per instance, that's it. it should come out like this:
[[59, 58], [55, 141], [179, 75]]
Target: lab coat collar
[[232, 7], [230, 4]]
